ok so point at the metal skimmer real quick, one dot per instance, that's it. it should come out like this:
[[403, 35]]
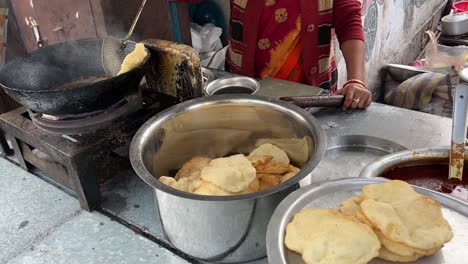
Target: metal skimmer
[[113, 52]]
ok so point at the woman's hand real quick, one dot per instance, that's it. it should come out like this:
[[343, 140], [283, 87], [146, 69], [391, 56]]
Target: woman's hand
[[355, 96]]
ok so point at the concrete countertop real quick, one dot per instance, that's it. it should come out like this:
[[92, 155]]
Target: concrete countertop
[[409, 128]]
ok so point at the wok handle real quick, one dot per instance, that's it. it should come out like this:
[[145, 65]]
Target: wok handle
[[316, 101]]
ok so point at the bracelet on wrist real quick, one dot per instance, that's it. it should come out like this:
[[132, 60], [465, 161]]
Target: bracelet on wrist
[[355, 82]]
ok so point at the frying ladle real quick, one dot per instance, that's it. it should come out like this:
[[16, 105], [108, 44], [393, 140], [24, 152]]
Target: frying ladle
[[113, 49], [460, 110]]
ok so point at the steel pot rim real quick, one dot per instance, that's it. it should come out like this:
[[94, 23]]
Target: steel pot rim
[[320, 144]]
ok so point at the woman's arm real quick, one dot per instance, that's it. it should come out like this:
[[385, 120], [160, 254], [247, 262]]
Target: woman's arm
[[354, 53], [348, 27]]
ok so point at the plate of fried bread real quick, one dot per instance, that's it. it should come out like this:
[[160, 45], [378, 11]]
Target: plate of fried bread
[[368, 220]]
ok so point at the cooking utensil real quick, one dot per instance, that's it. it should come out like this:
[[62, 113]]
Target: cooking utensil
[[220, 228], [40, 42], [358, 150], [401, 73], [232, 85], [52, 80], [316, 101], [460, 111], [331, 194], [418, 156], [113, 49], [409, 157], [455, 24]]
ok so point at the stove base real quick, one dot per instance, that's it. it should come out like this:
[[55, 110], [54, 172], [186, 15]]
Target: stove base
[[75, 162], [87, 124]]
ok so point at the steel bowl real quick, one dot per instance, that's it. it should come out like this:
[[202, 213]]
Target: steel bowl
[[408, 157], [250, 85], [220, 228]]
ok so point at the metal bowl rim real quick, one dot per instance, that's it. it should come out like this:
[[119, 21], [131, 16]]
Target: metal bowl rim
[[320, 142], [336, 143], [375, 168], [254, 84]]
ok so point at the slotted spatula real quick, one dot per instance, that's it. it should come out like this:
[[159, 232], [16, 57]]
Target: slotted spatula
[[113, 49]]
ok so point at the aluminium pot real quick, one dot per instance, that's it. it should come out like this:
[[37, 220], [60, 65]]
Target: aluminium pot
[[408, 157], [220, 228]]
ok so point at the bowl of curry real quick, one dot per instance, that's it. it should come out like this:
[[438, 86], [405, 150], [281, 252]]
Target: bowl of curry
[[427, 168]]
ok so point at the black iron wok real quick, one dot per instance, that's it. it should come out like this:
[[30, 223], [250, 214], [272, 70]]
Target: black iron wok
[[50, 80]]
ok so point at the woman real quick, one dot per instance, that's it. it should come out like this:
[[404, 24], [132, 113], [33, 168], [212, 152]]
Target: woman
[[292, 40]]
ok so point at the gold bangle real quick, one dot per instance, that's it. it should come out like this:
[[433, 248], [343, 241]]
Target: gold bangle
[[355, 84], [356, 81]]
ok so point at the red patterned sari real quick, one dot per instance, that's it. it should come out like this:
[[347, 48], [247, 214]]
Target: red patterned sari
[[291, 39]]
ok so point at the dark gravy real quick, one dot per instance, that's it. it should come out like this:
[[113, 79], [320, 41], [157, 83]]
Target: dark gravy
[[234, 90], [430, 176]]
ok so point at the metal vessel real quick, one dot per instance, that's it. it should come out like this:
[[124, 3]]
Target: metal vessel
[[330, 194], [401, 73], [347, 155], [455, 24], [221, 86], [220, 228], [424, 155]]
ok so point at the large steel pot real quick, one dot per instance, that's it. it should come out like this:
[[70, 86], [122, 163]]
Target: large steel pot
[[407, 157], [228, 228]]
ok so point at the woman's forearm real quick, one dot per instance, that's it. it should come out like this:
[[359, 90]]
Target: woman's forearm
[[354, 54]]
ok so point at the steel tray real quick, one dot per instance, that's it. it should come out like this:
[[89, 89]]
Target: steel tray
[[330, 195], [348, 155]]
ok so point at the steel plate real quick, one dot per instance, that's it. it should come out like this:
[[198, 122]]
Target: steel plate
[[348, 155], [330, 195]]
